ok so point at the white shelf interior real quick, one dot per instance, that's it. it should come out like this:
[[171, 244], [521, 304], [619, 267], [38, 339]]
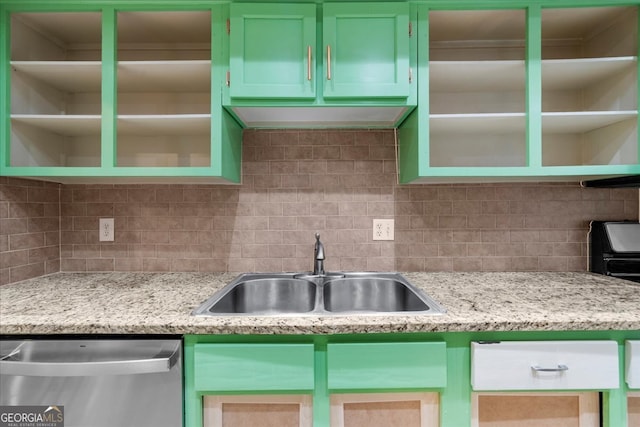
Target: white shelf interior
[[477, 88], [56, 89], [164, 89], [590, 86]]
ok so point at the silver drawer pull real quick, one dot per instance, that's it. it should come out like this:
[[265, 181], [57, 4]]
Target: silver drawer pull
[[559, 368]]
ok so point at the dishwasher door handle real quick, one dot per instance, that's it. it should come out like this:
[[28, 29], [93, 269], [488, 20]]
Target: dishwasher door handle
[[86, 369]]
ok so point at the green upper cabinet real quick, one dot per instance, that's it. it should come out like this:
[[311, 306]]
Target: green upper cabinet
[[536, 91], [366, 50], [128, 95], [272, 50]]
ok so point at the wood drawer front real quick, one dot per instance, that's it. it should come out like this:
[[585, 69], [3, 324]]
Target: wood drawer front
[[254, 367], [633, 364], [387, 366], [544, 365]]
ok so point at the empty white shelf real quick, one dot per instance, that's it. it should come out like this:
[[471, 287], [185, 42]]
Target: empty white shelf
[[495, 123], [582, 121], [67, 125], [459, 76], [165, 76], [566, 74], [164, 124], [68, 76]]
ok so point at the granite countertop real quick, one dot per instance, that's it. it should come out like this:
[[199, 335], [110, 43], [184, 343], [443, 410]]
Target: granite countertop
[[161, 303]]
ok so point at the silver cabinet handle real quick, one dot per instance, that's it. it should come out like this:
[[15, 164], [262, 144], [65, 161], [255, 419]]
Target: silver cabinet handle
[[328, 62], [559, 368], [163, 363], [309, 62]]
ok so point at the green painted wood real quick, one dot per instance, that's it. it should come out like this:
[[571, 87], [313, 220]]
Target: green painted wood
[[409, 158], [321, 398], [108, 147], [254, 367], [192, 398], [534, 87], [355, 48], [5, 105], [386, 366], [614, 402], [269, 50], [455, 399]]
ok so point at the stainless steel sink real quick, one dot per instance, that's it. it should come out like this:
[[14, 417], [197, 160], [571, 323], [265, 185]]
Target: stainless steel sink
[[263, 294], [371, 294]]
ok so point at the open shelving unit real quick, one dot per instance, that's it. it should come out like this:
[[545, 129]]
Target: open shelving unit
[[589, 86], [477, 88], [524, 91], [102, 94], [55, 77], [164, 89]]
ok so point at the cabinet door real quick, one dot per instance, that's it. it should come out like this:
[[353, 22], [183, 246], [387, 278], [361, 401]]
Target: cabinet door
[[535, 409], [282, 410], [366, 50], [385, 410], [272, 50]]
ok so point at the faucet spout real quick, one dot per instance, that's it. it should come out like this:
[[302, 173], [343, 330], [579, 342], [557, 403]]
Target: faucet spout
[[318, 257]]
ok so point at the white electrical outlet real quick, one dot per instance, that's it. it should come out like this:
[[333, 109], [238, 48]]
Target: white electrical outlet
[[106, 229], [383, 229]]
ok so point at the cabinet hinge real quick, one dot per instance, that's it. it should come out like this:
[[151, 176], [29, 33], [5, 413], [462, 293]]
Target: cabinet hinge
[[410, 75], [228, 82], [228, 26], [410, 29]]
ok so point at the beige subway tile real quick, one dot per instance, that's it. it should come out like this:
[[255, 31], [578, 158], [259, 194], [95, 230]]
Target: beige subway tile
[[14, 226], [142, 251], [23, 209], [451, 221], [510, 249], [114, 250], [24, 272], [25, 241], [116, 195], [156, 264], [14, 258], [39, 195], [469, 263], [184, 265], [523, 263], [553, 263], [497, 264], [100, 264], [52, 266], [438, 264], [268, 264], [73, 265], [481, 249], [539, 249], [127, 264], [241, 264], [452, 249], [169, 195], [43, 254], [14, 193], [348, 264], [410, 264]]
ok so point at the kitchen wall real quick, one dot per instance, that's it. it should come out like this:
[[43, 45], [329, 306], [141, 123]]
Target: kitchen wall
[[29, 229], [294, 184]]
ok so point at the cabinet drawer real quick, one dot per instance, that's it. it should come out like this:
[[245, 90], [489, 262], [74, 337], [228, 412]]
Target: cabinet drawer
[[385, 366], [633, 363], [253, 367], [544, 365]]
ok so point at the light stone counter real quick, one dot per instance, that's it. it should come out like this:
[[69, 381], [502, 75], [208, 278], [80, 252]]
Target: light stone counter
[[161, 303]]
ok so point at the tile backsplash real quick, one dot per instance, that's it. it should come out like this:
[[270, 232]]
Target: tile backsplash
[[294, 184]]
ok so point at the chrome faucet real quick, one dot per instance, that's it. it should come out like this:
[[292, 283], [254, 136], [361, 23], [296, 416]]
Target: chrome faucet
[[318, 257]]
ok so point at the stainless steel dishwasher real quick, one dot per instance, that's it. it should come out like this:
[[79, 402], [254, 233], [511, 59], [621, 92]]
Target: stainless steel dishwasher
[[94, 383]]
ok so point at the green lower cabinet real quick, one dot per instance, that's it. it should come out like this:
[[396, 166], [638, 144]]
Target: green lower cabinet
[[583, 379]]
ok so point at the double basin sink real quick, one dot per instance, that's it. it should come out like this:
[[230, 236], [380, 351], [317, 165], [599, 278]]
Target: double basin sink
[[264, 294]]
